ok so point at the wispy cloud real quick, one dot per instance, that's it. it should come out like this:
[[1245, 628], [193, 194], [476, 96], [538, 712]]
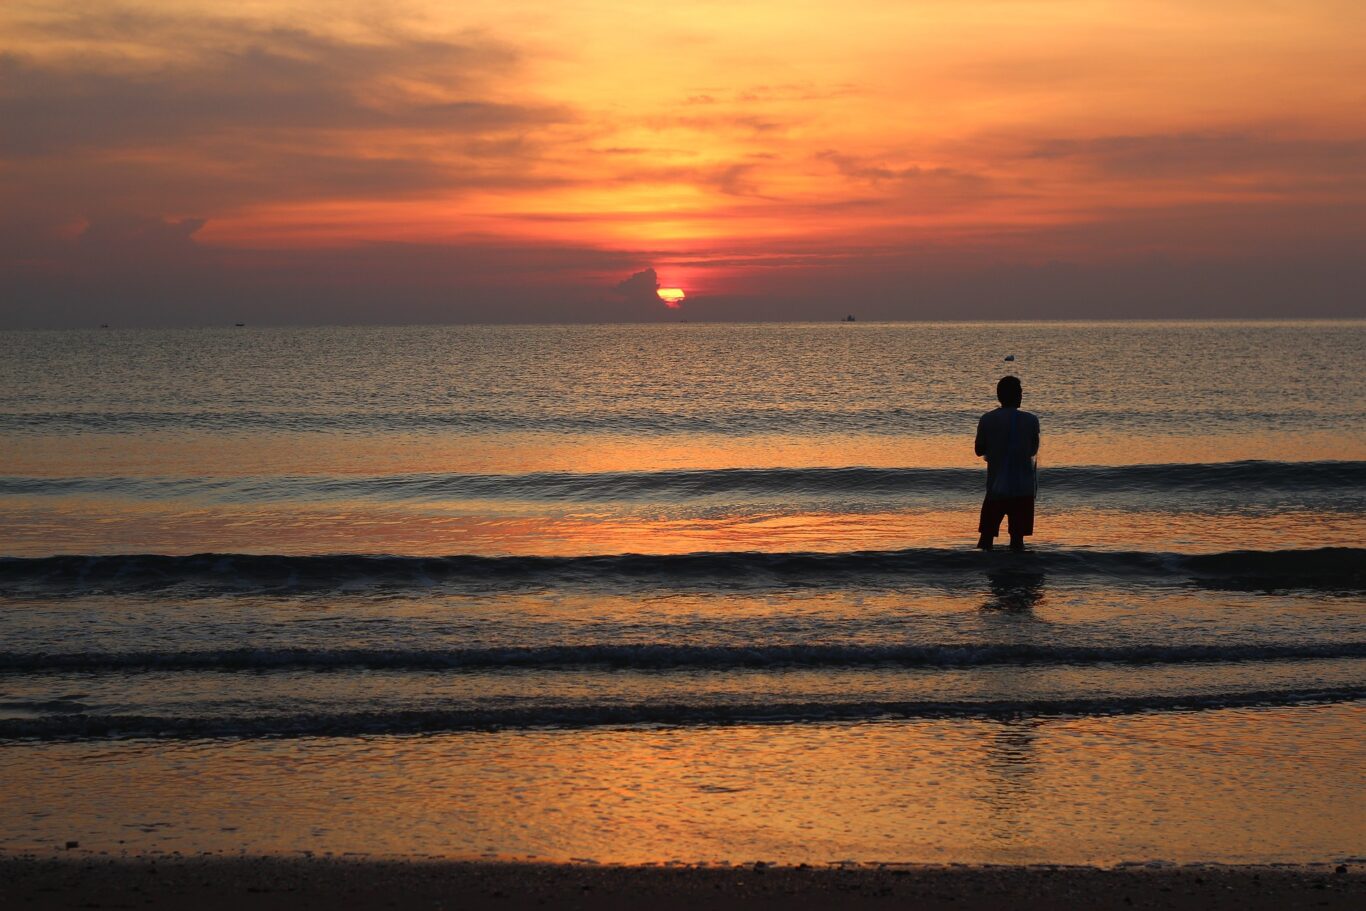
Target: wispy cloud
[[1202, 154], [174, 114], [872, 171]]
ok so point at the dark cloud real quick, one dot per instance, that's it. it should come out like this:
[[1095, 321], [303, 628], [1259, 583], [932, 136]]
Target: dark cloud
[[720, 123], [734, 179], [289, 84], [640, 288], [914, 287], [912, 187], [1183, 155], [1270, 228], [865, 169], [218, 113], [144, 236], [151, 271], [229, 175]]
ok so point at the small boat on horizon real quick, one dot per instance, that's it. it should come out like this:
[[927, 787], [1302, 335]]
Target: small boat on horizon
[[849, 319]]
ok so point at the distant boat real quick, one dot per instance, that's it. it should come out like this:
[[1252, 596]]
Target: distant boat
[[1010, 357], [104, 325], [849, 319], [239, 325]]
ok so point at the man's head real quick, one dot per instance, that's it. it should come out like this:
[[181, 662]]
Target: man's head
[[1008, 391]]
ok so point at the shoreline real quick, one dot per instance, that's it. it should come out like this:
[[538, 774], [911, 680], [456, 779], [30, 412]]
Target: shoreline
[[208, 882]]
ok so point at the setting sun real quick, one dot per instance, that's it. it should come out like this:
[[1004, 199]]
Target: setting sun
[[673, 297]]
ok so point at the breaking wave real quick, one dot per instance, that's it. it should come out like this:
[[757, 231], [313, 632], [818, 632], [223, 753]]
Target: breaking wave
[[684, 417], [1325, 569], [662, 656], [1248, 479], [420, 721]]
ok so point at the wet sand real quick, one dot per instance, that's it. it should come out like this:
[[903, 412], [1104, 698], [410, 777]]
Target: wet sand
[[209, 883]]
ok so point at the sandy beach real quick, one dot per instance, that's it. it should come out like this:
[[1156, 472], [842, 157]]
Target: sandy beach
[[208, 883]]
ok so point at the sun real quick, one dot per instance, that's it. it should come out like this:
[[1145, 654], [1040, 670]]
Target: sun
[[672, 297]]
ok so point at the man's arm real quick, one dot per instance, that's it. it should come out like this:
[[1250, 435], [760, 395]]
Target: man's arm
[[979, 445], [1035, 449]]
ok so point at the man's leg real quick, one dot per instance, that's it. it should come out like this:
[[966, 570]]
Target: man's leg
[[1021, 512], [989, 524]]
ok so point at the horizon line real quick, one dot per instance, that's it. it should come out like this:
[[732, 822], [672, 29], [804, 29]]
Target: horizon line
[[1226, 320]]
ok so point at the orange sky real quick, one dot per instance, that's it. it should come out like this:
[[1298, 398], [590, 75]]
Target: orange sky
[[792, 159]]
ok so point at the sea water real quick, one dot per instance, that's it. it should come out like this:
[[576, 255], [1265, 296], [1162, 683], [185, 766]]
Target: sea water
[[682, 592]]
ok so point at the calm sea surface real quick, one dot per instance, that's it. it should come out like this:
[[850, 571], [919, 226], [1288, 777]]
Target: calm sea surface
[[695, 592]]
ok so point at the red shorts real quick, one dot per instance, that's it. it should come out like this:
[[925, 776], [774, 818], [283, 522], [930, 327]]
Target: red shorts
[[1020, 510]]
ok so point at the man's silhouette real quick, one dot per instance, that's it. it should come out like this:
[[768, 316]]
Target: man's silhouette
[[1008, 439]]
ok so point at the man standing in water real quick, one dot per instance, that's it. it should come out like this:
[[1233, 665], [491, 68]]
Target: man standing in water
[[1008, 439]]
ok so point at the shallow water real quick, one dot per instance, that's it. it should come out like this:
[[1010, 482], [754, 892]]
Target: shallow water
[[717, 577], [1236, 786]]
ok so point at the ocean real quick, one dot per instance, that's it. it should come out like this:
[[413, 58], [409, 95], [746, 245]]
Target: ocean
[[683, 592]]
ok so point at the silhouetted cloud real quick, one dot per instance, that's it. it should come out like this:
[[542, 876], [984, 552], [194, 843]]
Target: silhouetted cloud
[[258, 82], [1207, 153], [151, 271], [640, 288], [732, 179], [864, 169], [719, 123], [139, 235], [254, 112], [923, 188]]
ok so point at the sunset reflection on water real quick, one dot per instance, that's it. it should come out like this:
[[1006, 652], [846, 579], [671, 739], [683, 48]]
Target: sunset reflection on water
[[859, 684], [38, 528], [266, 454], [1241, 787]]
